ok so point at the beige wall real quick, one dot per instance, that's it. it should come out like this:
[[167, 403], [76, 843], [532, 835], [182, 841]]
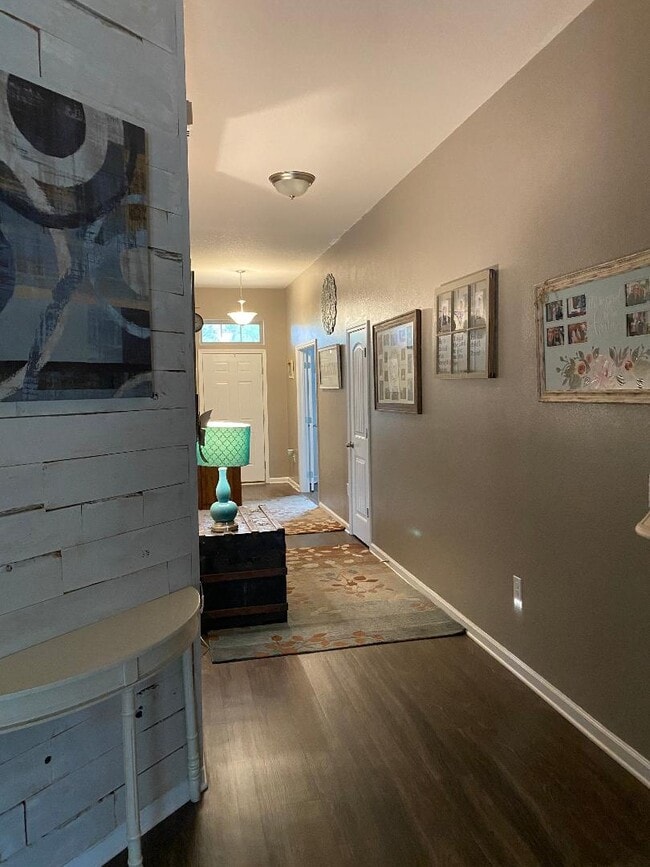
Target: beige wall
[[549, 176], [271, 307]]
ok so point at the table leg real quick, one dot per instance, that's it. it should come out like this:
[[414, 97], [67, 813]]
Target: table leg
[[133, 832], [193, 756]]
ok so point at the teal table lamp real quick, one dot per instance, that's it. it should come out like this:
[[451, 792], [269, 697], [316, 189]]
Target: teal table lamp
[[224, 444]]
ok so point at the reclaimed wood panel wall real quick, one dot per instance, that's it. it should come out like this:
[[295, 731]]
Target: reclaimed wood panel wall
[[98, 502]]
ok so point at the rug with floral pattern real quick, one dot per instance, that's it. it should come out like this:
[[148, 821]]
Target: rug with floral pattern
[[298, 514], [339, 596]]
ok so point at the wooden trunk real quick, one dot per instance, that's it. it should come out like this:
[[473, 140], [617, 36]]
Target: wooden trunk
[[244, 572]]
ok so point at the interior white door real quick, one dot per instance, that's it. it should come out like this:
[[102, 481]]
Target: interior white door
[[308, 419], [359, 434], [312, 420], [232, 384]]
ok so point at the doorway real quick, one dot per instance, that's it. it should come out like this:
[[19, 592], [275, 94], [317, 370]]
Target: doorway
[[358, 444], [307, 417], [233, 384]]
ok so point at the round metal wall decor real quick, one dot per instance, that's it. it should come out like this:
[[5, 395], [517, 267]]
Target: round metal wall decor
[[328, 304]]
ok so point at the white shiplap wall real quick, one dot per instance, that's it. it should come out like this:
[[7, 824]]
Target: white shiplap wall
[[98, 501]]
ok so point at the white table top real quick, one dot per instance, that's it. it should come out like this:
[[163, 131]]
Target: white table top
[[91, 663]]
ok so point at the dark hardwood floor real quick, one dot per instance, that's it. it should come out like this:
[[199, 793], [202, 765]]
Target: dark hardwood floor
[[419, 753]]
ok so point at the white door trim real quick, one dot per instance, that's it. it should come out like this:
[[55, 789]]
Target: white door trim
[[348, 373], [233, 350], [303, 470]]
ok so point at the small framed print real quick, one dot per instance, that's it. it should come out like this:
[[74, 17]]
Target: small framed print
[[329, 367], [637, 292], [576, 305], [397, 363], [467, 309], [478, 350], [443, 361], [460, 309], [593, 338], [459, 346], [444, 313]]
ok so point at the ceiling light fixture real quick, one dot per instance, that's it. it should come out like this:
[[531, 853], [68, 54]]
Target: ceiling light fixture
[[241, 316], [292, 184]]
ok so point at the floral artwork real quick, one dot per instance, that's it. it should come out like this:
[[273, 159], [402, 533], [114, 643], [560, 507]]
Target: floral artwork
[[600, 348], [618, 368]]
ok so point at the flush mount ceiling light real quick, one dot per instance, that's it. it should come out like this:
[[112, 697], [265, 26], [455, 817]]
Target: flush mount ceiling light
[[292, 184], [241, 316]]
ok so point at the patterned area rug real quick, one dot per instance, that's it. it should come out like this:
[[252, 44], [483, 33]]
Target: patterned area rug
[[339, 596], [298, 515]]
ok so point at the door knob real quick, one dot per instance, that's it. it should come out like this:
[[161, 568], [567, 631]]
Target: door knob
[[349, 445]]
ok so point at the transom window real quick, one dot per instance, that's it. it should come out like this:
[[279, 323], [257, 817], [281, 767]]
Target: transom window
[[230, 332]]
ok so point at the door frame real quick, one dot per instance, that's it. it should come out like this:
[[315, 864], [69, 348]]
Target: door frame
[[221, 350], [369, 399], [303, 479]]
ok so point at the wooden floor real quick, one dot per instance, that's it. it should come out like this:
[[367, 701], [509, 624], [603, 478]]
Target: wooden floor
[[419, 753]]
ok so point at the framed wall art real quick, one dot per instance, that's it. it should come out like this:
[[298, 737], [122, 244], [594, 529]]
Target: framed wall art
[[465, 327], [397, 363], [593, 333], [75, 299], [329, 367]]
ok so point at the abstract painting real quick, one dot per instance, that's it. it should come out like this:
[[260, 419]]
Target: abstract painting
[[75, 298]]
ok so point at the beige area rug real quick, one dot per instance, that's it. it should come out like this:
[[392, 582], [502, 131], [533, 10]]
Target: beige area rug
[[298, 514], [339, 596]]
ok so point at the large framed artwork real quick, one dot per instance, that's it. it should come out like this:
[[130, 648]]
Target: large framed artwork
[[397, 363], [593, 333], [75, 298], [465, 320]]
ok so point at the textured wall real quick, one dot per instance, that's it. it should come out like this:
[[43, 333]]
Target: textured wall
[[271, 307], [97, 502], [550, 175]]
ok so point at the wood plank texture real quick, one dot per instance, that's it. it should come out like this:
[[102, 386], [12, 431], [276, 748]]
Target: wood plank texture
[[79, 481], [418, 753], [100, 490]]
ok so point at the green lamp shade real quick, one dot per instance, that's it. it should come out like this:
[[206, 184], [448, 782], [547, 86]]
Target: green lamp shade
[[226, 444]]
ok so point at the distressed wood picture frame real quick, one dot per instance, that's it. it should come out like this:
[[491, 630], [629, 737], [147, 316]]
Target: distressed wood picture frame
[[465, 327], [329, 367], [397, 363], [593, 333]]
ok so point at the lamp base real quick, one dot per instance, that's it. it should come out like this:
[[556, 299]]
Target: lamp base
[[224, 527], [224, 511]]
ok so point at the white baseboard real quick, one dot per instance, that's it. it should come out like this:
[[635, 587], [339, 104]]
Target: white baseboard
[[333, 514], [621, 752], [283, 480], [150, 816]]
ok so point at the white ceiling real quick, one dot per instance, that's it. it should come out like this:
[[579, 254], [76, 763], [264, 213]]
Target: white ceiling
[[356, 91]]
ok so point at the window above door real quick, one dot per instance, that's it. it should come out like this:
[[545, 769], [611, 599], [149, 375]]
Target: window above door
[[218, 332]]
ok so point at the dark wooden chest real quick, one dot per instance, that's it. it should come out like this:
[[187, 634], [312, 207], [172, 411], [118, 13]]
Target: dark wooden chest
[[244, 572]]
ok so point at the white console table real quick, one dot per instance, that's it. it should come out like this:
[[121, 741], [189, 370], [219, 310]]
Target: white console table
[[111, 656]]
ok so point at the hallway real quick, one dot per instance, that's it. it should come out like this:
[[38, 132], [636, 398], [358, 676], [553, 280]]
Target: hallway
[[419, 753]]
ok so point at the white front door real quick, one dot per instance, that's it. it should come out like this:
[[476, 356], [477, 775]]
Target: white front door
[[359, 433], [232, 385]]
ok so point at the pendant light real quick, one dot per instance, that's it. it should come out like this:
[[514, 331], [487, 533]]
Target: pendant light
[[241, 316]]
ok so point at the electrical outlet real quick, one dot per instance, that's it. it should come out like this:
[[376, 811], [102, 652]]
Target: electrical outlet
[[291, 454], [517, 597]]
